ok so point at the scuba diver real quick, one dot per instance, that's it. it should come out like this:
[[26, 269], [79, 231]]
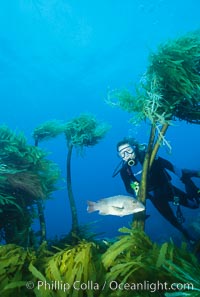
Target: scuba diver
[[160, 190]]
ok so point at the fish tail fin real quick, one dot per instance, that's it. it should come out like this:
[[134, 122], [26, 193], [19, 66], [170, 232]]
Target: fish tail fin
[[91, 206]]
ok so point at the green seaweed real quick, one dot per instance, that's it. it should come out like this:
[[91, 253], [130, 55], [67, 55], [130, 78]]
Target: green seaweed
[[133, 261], [170, 88], [80, 132], [27, 177], [48, 130], [176, 67], [84, 131], [76, 265], [13, 270], [187, 274], [45, 131]]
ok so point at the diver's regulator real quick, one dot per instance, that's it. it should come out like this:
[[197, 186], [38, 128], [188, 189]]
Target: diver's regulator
[[131, 162]]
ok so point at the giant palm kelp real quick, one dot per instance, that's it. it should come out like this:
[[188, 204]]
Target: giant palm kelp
[[45, 131], [48, 130], [169, 90], [175, 72], [27, 176], [132, 265], [19, 272], [84, 131], [143, 267], [79, 267], [14, 270], [188, 274], [81, 132]]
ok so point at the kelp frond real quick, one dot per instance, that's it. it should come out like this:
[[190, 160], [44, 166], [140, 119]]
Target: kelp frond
[[186, 273], [134, 258], [170, 88], [8, 200], [23, 163], [15, 153], [26, 176], [128, 243], [13, 270], [139, 266], [84, 130], [48, 130], [75, 265], [176, 67]]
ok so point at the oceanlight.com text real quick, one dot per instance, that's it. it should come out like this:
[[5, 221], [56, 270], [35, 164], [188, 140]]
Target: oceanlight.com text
[[150, 286]]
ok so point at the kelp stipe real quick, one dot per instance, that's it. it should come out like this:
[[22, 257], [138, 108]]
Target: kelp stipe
[[80, 132]]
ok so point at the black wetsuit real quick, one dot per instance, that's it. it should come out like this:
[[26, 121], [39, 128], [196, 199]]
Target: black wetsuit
[[161, 191]]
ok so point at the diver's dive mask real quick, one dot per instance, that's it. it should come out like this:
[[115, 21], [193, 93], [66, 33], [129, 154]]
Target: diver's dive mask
[[127, 153]]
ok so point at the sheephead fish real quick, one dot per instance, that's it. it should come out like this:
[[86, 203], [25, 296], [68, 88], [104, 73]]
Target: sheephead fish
[[117, 206]]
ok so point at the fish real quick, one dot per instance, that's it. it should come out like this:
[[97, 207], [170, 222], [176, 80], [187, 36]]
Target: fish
[[119, 205]]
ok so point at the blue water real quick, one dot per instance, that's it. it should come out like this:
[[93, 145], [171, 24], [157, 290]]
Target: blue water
[[59, 59]]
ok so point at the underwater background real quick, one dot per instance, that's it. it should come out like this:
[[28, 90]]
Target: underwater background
[[61, 58]]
